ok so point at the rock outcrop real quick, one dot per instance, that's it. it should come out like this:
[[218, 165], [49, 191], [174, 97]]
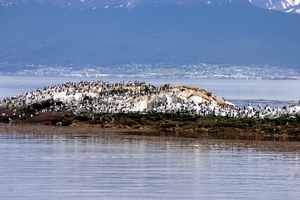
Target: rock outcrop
[[104, 97]]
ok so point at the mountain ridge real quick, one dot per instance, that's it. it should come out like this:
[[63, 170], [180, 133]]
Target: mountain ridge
[[238, 33], [289, 6]]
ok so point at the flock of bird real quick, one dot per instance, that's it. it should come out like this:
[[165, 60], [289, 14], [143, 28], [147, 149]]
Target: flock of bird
[[102, 97]]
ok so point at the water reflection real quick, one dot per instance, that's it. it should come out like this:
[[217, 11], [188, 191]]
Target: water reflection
[[99, 167], [226, 136]]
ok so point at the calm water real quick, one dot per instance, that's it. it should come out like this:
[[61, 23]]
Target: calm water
[[97, 168]]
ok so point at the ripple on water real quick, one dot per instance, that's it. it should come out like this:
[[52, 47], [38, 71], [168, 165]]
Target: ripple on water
[[101, 167]]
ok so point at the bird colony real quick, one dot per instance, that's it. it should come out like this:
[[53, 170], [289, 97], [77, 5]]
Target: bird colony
[[101, 97]]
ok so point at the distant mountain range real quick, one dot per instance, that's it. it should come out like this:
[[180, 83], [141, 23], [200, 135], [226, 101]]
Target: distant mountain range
[[90, 32], [292, 6]]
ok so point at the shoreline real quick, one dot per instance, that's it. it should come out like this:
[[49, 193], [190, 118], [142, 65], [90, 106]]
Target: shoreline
[[146, 137], [207, 126]]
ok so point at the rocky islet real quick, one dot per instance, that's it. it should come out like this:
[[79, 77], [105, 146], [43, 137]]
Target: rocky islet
[[139, 105]]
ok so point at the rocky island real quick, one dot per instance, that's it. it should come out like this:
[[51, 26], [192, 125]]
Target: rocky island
[[142, 106]]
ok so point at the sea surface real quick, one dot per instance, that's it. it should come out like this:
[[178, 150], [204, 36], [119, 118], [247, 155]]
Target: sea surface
[[95, 167]]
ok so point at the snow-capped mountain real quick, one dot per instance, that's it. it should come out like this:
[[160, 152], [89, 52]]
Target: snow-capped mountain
[[289, 6], [115, 3], [81, 32]]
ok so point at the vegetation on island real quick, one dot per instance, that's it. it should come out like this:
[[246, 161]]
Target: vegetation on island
[[210, 125]]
